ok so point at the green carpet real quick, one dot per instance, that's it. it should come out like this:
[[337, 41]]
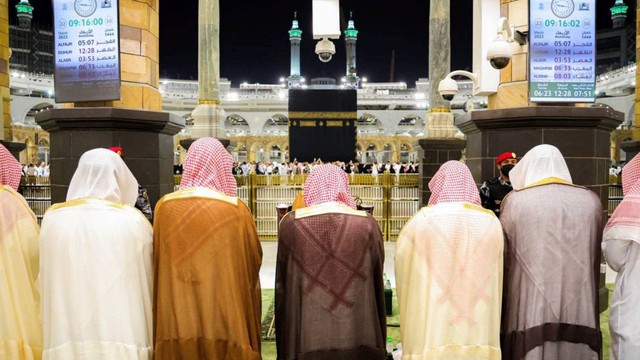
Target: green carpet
[[269, 347]]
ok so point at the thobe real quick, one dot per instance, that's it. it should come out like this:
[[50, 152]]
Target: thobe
[[96, 266], [449, 273], [20, 327], [621, 245], [207, 260], [552, 260], [329, 288]]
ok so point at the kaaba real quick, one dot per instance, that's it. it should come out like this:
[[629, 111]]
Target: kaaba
[[322, 124]]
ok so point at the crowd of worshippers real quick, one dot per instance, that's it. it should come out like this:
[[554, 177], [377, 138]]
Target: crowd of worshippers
[[296, 167], [98, 281]]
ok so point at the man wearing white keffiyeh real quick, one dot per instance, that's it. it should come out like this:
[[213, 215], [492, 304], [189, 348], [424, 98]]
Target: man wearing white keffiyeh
[[552, 234], [96, 266]]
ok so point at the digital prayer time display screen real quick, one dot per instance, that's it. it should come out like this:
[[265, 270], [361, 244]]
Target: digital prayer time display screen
[[562, 50], [87, 50]]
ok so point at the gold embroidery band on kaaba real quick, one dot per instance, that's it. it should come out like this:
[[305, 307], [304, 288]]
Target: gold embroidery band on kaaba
[[323, 115]]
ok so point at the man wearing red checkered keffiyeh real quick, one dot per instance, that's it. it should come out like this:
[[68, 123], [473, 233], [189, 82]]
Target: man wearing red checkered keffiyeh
[[453, 183], [329, 268], [20, 325], [621, 245], [207, 264], [208, 164], [10, 169], [327, 183], [449, 273]]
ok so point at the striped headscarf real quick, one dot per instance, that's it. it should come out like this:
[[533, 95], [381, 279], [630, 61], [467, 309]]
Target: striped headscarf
[[627, 214], [10, 169], [327, 183], [208, 164], [453, 183]]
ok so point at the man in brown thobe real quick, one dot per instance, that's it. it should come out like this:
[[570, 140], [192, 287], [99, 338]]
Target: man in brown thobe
[[329, 289], [207, 259], [552, 234]]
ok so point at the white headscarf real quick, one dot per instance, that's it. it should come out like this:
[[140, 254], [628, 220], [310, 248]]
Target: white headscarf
[[541, 162], [102, 174]]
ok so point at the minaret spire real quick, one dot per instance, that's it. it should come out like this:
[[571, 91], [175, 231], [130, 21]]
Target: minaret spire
[[295, 37], [619, 14], [25, 13], [351, 37]]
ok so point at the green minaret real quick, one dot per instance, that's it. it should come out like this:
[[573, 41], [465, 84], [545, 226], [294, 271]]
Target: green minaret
[[619, 14], [25, 13], [351, 37], [295, 37]]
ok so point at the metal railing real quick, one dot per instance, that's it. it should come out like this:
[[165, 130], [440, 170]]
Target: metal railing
[[36, 190], [395, 198], [615, 197]]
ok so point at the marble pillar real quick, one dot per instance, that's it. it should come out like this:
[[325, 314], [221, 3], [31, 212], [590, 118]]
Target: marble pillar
[[208, 115], [440, 119]]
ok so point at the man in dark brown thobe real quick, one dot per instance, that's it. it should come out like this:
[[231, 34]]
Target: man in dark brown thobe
[[329, 288]]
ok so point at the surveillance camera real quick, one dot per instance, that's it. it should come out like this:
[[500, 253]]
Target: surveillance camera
[[499, 53], [448, 88], [325, 50]]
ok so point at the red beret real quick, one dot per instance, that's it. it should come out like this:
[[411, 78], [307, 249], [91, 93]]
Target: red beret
[[504, 156], [118, 150]]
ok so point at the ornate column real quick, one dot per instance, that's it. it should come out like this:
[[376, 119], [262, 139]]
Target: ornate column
[[440, 118], [208, 115], [440, 144]]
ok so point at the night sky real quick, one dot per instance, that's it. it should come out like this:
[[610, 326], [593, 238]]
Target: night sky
[[255, 42]]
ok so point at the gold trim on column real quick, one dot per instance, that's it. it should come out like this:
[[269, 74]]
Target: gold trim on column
[[440, 110], [208, 102], [323, 114]]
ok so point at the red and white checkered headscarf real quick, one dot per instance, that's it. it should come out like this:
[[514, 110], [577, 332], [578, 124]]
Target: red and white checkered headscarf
[[208, 164], [327, 183], [625, 220], [453, 183], [10, 169]]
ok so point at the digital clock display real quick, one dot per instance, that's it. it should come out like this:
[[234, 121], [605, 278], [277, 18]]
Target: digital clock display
[[562, 50], [87, 50]]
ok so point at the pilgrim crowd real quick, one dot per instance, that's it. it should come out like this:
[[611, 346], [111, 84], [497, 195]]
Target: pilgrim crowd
[[98, 281]]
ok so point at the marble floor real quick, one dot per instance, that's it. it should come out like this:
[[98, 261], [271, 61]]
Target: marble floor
[[270, 249]]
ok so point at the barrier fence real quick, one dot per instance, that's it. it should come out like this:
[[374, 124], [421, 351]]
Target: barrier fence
[[395, 198], [615, 197], [36, 190]]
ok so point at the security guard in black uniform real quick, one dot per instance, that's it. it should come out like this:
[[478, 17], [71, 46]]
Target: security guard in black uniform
[[493, 191]]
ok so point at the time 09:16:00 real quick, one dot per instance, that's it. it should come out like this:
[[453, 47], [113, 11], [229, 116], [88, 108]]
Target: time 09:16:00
[[86, 22]]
